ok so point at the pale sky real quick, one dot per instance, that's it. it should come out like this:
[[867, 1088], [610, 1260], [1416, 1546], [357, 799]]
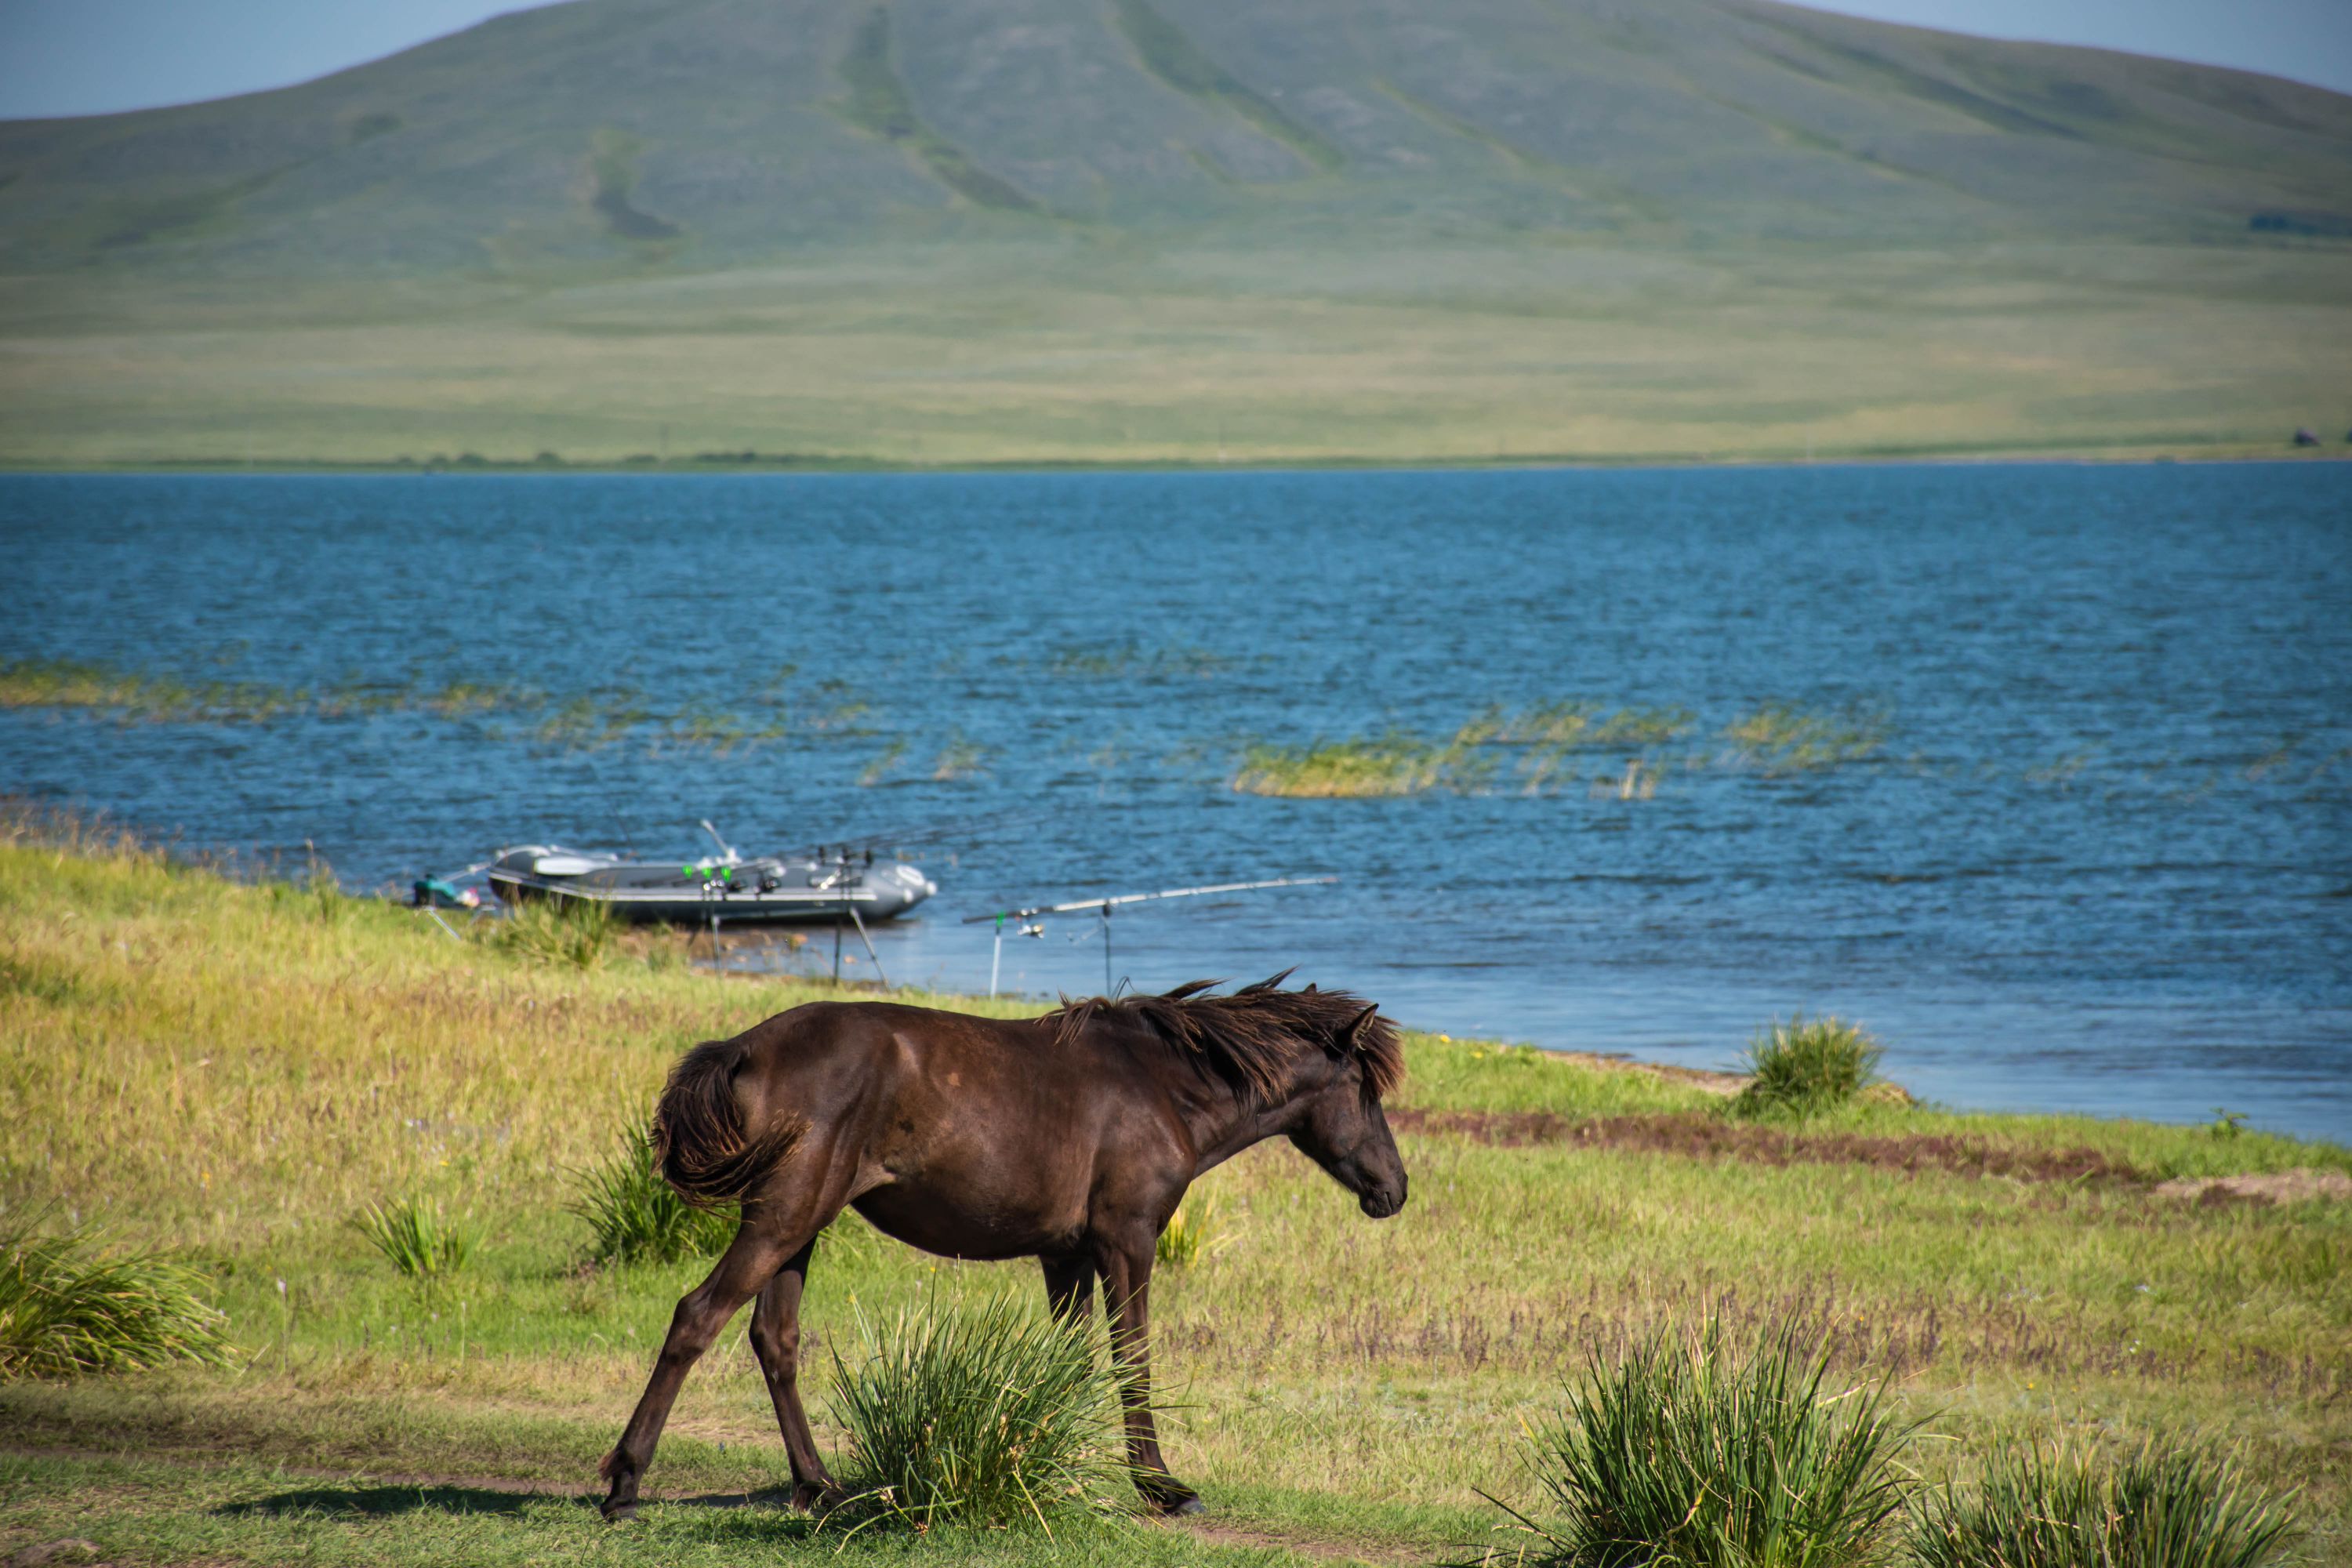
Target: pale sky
[[92, 56]]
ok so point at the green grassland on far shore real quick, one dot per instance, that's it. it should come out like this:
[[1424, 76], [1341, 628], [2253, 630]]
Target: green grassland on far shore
[[231, 1072], [1096, 352]]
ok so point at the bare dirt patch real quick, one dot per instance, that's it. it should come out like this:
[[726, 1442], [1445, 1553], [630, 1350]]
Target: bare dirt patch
[[1698, 1136], [1726, 1084], [1263, 1540], [2302, 1184]]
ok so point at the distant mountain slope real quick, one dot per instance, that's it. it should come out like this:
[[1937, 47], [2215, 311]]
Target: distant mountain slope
[[713, 133]]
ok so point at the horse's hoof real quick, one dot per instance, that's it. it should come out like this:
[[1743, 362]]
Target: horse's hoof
[[1174, 1501], [618, 1512]]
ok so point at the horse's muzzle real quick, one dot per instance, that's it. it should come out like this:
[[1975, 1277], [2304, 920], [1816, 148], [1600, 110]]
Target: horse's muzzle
[[1381, 1203]]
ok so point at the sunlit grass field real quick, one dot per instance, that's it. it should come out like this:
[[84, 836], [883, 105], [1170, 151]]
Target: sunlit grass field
[[1093, 347], [232, 1074]]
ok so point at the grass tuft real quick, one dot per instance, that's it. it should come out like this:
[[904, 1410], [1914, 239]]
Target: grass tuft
[[997, 1415], [635, 1216], [578, 933], [2039, 1508], [1801, 1067], [1689, 1452], [418, 1239], [68, 1305]]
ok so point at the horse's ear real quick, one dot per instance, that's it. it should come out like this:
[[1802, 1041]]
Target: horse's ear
[[1310, 989], [1353, 1035]]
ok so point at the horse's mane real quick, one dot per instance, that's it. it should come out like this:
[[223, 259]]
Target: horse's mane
[[1251, 1036]]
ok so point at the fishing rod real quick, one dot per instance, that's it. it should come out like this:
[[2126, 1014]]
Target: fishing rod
[[928, 833], [1103, 907]]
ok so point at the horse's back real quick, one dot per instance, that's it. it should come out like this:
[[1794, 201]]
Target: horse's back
[[976, 1137]]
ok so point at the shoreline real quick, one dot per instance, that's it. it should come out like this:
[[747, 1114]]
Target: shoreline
[[2220, 454]]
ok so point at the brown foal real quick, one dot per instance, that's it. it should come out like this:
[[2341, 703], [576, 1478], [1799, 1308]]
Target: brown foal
[[1069, 1138]]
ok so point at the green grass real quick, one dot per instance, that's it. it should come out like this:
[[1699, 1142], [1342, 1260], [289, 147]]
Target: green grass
[[1193, 1232], [993, 1414], [577, 932], [1800, 1067], [2162, 1506], [635, 1216], [1698, 1450], [219, 1075], [1246, 348], [1291, 236], [418, 1239], [1175, 59], [70, 1304], [878, 103]]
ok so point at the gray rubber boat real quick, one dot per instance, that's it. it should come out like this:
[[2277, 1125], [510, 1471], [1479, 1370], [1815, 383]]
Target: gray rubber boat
[[723, 888]]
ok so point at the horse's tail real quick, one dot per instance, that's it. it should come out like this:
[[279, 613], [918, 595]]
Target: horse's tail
[[701, 1143]]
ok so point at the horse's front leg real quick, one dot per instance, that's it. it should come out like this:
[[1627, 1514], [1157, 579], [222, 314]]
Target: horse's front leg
[[751, 1260], [776, 1340], [1126, 1293]]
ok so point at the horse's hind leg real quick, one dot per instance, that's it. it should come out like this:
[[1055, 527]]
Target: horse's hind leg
[[776, 1340], [1069, 1286], [750, 1261]]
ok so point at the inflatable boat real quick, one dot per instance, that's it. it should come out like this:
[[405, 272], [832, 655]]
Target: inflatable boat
[[724, 888]]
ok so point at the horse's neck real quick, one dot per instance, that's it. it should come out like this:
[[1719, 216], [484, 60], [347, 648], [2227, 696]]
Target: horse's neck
[[1222, 1123]]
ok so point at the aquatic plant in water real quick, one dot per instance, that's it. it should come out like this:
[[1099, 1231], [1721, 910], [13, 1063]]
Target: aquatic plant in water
[[585, 722], [134, 698], [1396, 764], [1781, 738]]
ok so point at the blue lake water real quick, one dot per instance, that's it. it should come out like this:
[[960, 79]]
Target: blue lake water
[[2101, 860]]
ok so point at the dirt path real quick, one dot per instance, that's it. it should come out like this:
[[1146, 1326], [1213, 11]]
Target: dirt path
[[1698, 1135], [1207, 1527], [1702, 1136]]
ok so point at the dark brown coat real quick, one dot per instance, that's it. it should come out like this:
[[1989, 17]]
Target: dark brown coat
[[1069, 1138]]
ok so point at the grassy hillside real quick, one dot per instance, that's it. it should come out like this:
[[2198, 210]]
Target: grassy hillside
[[230, 1072], [1152, 230], [703, 133]]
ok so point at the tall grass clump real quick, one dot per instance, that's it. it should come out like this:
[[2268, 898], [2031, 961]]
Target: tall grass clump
[[418, 1239], [1693, 1453], [635, 1216], [68, 1305], [2038, 1508], [578, 933], [993, 1415], [1800, 1067]]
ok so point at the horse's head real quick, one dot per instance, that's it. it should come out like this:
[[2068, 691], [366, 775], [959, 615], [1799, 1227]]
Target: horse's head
[[1340, 1125]]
